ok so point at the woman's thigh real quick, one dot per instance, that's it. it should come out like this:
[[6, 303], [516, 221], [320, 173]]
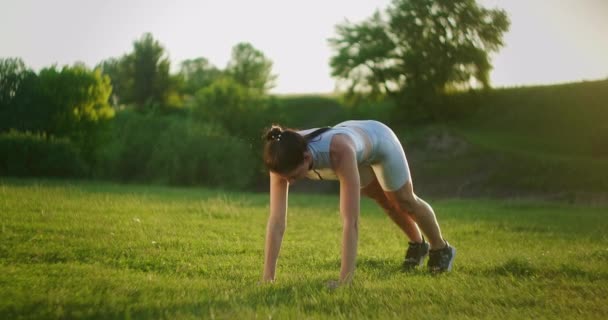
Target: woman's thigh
[[366, 176], [391, 167], [374, 191]]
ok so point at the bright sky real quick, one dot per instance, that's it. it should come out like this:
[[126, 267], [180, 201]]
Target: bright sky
[[550, 41]]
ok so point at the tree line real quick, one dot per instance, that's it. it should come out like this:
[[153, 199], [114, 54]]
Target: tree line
[[87, 114], [409, 56]]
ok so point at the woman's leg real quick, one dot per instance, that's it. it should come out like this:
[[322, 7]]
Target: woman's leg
[[400, 217], [422, 213], [392, 173]]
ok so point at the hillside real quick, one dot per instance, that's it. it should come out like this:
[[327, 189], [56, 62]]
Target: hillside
[[568, 120], [541, 141], [544, 141]]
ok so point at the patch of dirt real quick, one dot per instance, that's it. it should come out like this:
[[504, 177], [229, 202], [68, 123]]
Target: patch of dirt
[[445, 142]]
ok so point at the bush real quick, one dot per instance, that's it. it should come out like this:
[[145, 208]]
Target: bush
[[38, 155], [129, 147], [309, 111], [244, 113], [175, 150], [190, 153], [238, 109]]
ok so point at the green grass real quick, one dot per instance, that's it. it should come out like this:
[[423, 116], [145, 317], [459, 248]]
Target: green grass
[[93, 250], [541, 141], [563, 120]]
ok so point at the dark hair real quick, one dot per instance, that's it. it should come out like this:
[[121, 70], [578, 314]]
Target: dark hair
[[284, 148]]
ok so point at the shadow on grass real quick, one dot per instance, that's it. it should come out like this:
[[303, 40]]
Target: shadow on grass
[[521, 268], [41, 310], [250, 302], [374, 268]]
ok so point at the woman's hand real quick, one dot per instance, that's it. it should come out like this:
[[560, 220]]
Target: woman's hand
[[333, 284], [265, 282]]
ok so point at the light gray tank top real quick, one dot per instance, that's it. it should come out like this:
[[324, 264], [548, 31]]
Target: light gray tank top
[[319, 149]]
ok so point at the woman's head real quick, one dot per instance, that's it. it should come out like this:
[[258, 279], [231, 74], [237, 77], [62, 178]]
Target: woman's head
[[284, 149]]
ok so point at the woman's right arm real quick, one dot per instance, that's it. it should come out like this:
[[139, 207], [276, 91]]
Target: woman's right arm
[[276, 224]]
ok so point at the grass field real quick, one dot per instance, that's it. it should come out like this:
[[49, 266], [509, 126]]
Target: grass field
[[92, 250]]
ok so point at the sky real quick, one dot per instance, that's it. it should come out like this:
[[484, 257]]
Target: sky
[[550, 41]]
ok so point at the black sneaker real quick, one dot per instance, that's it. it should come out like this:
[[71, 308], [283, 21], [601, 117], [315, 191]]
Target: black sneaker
[[441, 260], [416, 252]]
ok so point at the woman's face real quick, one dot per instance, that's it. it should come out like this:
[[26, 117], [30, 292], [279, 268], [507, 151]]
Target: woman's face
[[299, 172]]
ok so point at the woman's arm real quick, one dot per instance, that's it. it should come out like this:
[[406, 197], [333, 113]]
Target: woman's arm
[[276, 224], [344, 161]]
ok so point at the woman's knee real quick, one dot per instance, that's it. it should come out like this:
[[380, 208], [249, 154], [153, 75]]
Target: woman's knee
[[404, 198], [383, 202], [408, 204], [375, 192]]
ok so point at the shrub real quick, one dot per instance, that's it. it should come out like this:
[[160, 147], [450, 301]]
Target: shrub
[[309, 111], [175, 150], [240, 110], [125, 154], [190, 153], [26, 154]]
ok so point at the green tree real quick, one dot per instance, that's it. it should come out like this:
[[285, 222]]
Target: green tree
[[418, 49], [12, 73], [74, 96], [70, 102], [150, 65], [141, 77], [250, 68], [120, 71], [196, 74], [236, 108], [74, 104], [14, 78]]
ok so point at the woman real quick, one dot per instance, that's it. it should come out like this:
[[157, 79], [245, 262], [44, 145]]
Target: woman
[[367, 158]]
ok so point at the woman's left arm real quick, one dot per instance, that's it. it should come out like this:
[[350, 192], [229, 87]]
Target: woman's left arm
[[344, 162]]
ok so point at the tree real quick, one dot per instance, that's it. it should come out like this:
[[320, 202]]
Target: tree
[[14, 76], [418, 48], [236, 108], [12, 73], [151, 80], [250, 68], [196, 74], [142, 78], [74, 104], [69, 102], [120, 72], [74, 97]]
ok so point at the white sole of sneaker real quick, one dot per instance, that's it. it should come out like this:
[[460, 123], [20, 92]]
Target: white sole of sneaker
[[452, 260], [421, 263]]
